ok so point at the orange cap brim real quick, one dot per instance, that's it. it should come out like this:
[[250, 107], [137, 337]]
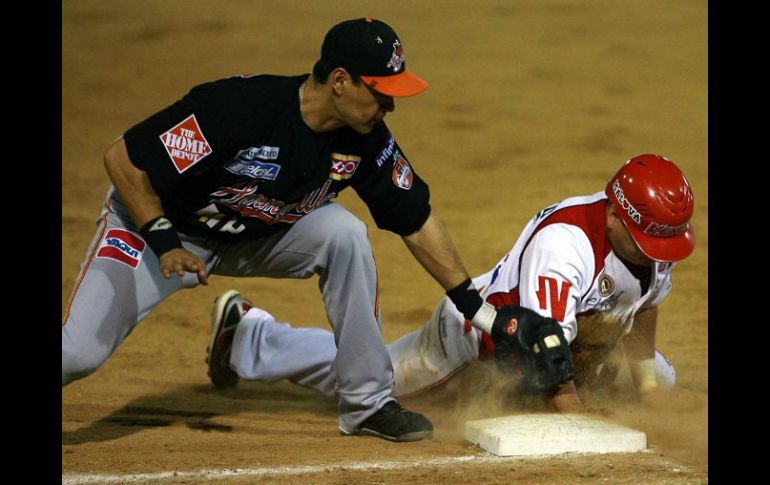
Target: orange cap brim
[[398, 85]]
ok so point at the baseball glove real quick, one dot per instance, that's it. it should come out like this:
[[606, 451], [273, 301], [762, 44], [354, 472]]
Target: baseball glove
[[535, 345]]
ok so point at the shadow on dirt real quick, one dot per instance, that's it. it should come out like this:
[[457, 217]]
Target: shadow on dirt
[[197, 407]]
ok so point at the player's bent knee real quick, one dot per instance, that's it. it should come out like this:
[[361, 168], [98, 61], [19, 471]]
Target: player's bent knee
[[354, 232], [78, 363], [348, 235], [74, 368]]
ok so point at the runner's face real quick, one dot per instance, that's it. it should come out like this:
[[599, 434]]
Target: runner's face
[[622, 242]]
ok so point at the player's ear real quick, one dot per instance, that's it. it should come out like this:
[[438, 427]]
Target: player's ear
[[338, 78]]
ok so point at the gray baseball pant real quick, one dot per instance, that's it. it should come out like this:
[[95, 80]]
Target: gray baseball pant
[[268, 351], [110, 297]]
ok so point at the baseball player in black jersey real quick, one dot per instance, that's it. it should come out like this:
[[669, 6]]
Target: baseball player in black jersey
[[236, 179]]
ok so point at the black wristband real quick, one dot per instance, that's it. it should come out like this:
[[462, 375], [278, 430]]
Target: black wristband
[[160, 235], [466, 298]]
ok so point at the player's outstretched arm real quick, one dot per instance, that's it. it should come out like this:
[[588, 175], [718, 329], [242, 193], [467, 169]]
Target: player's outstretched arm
[[434, 249], [640, 350], [146, 211]]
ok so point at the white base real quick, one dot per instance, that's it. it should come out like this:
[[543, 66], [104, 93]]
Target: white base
[[551, 434]]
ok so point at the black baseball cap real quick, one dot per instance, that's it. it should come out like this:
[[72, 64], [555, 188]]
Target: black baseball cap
[[370, 48]]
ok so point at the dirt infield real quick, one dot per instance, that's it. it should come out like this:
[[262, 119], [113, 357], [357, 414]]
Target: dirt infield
[[529, 102]]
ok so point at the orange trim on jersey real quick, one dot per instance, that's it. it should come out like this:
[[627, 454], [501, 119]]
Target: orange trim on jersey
[[436, 384]]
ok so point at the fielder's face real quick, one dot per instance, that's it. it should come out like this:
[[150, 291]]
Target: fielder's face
[[360, 107], [621, 241]]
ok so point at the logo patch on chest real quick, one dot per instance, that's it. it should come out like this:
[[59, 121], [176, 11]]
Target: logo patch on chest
[[255, 169], [246, 163], [343, 166], [122, 246], [185, 144]]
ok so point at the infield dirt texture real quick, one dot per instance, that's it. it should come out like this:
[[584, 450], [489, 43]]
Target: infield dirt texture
[[529, 102]]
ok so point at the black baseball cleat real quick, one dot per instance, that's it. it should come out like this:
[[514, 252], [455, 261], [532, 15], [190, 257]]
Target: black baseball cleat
[[228, 310], [394, 423]]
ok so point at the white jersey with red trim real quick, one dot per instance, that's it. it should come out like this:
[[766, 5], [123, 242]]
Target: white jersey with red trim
[[562, 266]]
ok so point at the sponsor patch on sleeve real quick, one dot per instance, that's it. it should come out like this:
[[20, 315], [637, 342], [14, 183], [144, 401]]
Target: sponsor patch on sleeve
[[123, 246], [402, 172], [343, 166], [186, 144]]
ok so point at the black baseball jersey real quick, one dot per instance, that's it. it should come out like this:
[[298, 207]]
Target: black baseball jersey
[[234, 158]]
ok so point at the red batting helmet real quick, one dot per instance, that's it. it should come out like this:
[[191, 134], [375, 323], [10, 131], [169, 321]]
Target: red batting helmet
[[654, 200]]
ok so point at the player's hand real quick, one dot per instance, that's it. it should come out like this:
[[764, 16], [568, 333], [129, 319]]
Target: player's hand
[[179, 261], [536, 342], [566, 399]]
